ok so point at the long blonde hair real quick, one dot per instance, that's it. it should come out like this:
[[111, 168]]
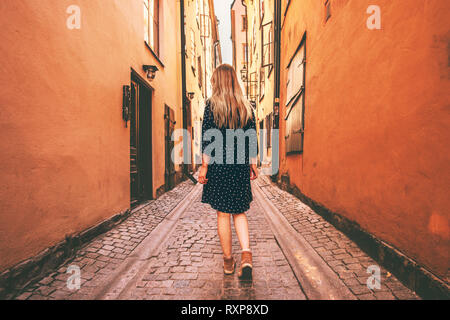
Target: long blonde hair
[[228, 104]]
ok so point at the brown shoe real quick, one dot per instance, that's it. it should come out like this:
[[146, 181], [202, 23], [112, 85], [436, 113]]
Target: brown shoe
[[229, 265], [245, 271]]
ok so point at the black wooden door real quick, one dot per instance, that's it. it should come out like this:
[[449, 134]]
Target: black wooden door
[[140, 143], [145, 143], [169, 144], [134, 170]]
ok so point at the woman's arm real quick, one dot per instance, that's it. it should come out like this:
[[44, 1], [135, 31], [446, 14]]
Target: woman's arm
[[206, 125], [205, 160], [202, 174], [254, 160], [253, 170]]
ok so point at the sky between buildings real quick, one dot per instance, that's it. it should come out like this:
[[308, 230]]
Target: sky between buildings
[[223, 13]]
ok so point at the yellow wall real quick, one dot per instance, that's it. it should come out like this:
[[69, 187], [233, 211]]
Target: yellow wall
[[264, 102], [239, 38], [204, 49]]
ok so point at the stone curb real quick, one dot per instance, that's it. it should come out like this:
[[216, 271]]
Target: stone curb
[[316, 278], [409, 272], [125, 277], [18, 277]]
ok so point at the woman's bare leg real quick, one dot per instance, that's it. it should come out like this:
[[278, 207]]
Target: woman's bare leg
[[241, 226], [224, 230]]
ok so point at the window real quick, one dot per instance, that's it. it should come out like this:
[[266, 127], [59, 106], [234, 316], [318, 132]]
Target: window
[[327, 10], [269, 125], [244, 23], [253, 86], [267, 44], [151, 28], [262, 84], [197, 12], [205, 26], [244, 52], [193, 51], [254, 34], [261, 9], [146, 24], [284, 7], [200, 73], [295, 100], [216, 55]]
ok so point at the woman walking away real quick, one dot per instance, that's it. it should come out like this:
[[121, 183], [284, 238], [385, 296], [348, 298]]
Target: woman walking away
[[229, 163]]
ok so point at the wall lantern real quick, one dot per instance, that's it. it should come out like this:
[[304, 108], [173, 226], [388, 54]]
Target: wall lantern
[[151, 71], [191, 95], [244, 73]]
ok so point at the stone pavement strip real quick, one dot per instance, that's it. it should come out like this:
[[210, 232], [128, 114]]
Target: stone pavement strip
[[341, 254], [100, 257], [188, 264]]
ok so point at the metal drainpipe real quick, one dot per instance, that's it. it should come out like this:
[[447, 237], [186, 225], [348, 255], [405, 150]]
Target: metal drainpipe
[[183, 89], [276, 96], [204, 49]]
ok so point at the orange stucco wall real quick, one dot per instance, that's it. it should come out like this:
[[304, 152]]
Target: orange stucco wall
[[376, 119], [65, 149]]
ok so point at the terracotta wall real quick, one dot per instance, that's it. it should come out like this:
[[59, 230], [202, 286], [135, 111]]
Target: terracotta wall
[[65, 149], [376, 119]]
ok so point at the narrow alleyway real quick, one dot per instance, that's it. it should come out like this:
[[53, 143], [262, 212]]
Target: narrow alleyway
[[169, 249]]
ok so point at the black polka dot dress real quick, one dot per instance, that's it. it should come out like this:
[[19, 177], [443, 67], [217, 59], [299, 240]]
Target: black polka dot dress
[[228, 188]]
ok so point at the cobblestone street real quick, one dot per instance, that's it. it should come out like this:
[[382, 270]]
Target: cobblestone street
[[190, 265], [341, 254], [325, 123], [187, 264]]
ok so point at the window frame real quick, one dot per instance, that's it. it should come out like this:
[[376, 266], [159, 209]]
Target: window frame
[[287, 4], [245, 52], [205, 26], [200, 73], [262, 83], [152, 28], [197, 13], [244, 22], [193, 52], [269, 121], [261, 11], [253, 81], [268, 44], [146, 21], [327, 10], [292, 105], [254, 34]]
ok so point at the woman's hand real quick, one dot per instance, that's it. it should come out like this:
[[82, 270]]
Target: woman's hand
[[202, 174], [253, 172]]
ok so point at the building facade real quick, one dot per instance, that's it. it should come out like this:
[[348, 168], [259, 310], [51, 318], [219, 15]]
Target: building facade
[[90, 110], [203, 54], [239, 42], [260, 70], [363, 118]]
